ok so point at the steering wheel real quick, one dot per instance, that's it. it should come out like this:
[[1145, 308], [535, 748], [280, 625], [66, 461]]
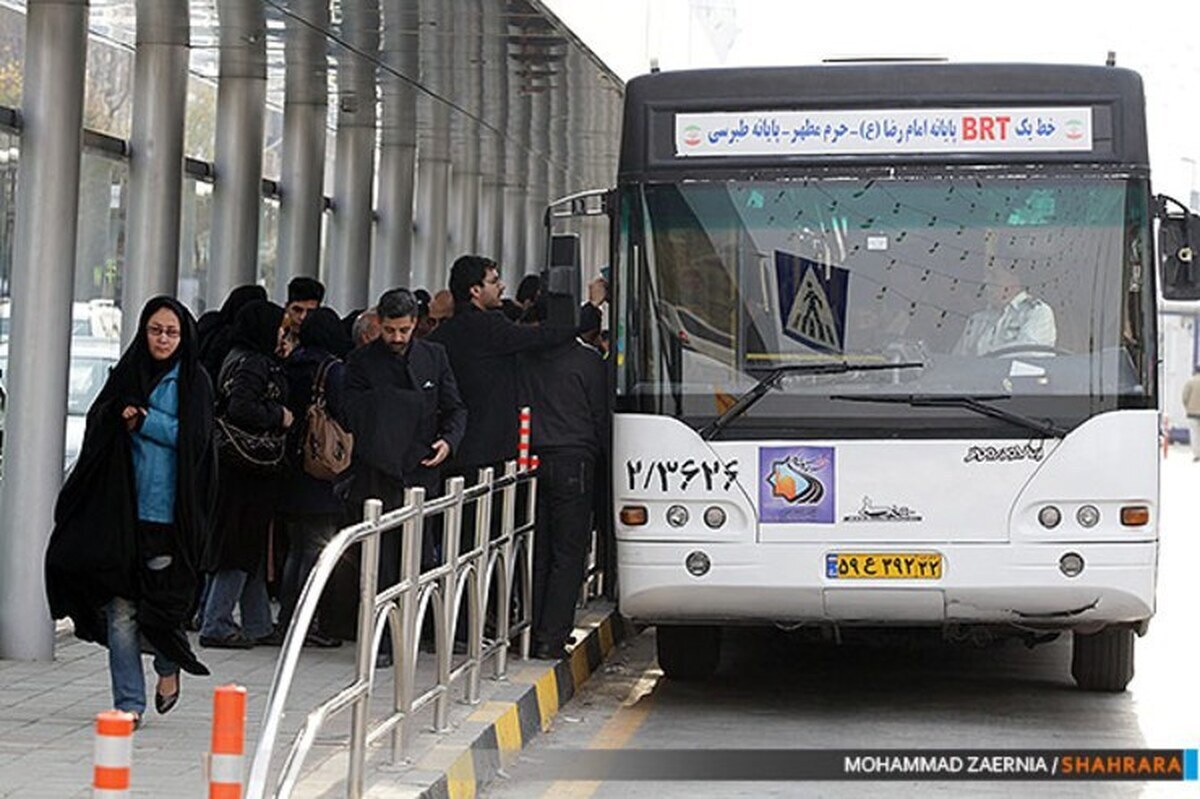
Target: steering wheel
[[1020, 349]]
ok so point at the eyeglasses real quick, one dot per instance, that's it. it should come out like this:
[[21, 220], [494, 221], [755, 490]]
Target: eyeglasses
[[155, 331], [492, 281]]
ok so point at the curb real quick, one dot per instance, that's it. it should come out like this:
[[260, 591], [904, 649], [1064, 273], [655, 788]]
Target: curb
[[511, 722]]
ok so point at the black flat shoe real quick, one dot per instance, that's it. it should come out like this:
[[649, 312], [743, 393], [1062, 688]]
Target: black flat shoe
[[548, 652], [163, 704], [235, 641], [273, 638], [320, 641]]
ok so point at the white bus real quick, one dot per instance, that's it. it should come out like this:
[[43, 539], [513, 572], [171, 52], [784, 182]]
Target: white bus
[[884, 354]]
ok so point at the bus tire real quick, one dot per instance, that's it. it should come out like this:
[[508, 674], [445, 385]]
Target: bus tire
[[1103, 661], [688, 652]]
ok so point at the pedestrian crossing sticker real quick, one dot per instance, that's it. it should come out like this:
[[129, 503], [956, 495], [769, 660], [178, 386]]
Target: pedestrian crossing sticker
[[812, 300]]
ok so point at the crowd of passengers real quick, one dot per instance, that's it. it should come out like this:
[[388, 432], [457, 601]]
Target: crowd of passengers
[[165, 525]]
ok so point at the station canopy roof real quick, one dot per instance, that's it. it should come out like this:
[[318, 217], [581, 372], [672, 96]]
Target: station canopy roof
[[495, 64]]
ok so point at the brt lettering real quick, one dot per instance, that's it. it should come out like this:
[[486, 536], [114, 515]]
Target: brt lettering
[[985, 128]]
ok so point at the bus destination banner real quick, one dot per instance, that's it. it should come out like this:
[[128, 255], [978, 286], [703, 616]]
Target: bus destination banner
[[890, 131]]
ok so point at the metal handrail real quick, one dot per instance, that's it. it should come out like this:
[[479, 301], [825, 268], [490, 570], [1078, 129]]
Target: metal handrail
[[461, 577]]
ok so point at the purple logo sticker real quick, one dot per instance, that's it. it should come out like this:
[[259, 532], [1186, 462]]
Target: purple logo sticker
[[797, 484]]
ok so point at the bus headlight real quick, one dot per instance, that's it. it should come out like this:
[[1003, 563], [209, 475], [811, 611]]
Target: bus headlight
[[677, 516], [697, 564], [714, 517], [1088, 516], [1049, 516]]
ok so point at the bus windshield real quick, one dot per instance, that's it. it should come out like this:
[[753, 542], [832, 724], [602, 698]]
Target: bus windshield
[[1029, 289]]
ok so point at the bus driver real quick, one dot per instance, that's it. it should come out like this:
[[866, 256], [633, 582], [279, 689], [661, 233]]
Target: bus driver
[[1012, 317]]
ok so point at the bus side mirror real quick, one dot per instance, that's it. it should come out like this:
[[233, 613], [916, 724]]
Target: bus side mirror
[[1179, 251]]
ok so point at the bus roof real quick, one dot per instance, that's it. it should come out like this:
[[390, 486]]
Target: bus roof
[[666, 112]]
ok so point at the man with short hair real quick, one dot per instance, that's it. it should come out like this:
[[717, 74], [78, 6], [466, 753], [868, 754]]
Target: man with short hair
[[402, 402], [441, 307], [304, 294], [1014, 321], [366, 328], [483, 347], [403, 406]]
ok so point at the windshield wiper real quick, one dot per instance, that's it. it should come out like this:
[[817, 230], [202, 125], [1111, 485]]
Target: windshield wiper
[[771, 379], [978, 404]]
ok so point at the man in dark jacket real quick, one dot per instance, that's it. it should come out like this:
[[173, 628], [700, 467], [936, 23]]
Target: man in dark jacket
[[566, 388], [304, 295], [402, 403], [483, 346], [403, 406]]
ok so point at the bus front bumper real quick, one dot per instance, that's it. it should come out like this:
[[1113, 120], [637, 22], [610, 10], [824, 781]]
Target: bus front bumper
[[980, 583]]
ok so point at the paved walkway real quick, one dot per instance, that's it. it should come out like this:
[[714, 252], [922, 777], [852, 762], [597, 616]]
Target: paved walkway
[[47, 712]]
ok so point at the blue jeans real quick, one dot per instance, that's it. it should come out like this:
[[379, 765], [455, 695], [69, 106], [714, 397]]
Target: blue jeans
[[231, 587], [125, 657]]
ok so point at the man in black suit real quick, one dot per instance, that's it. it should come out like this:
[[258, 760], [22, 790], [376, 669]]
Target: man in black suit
[[403, 406], [483, 346]]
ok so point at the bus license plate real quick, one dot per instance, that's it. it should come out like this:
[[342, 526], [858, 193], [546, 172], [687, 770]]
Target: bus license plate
[[883, 565]]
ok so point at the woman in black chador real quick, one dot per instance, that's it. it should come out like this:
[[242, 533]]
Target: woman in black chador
[[132, 521], [253, 398]]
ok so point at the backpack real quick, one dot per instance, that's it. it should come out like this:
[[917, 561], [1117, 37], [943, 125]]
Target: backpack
[[327, 446]]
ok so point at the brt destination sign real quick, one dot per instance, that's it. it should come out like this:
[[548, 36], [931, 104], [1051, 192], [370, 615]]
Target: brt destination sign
[[884, 131]]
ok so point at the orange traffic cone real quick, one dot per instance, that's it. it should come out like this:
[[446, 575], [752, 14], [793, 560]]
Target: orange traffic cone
[[228, 741], [113, 755]]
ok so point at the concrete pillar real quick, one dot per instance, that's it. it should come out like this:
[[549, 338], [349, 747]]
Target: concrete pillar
[[490, 235], [434, 152], [466, 183], [43, 255], [156, 159], [433, 183], [495, 104], [465, 178], [354, 175], [557, 150], [302, 172], [539, 182], [398, 147], [516, 182], [241, 106]]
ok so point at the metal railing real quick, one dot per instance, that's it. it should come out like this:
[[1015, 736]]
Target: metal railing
[[461, 576]]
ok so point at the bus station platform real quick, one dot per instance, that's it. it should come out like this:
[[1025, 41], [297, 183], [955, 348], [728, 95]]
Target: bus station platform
[[48, 712]]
